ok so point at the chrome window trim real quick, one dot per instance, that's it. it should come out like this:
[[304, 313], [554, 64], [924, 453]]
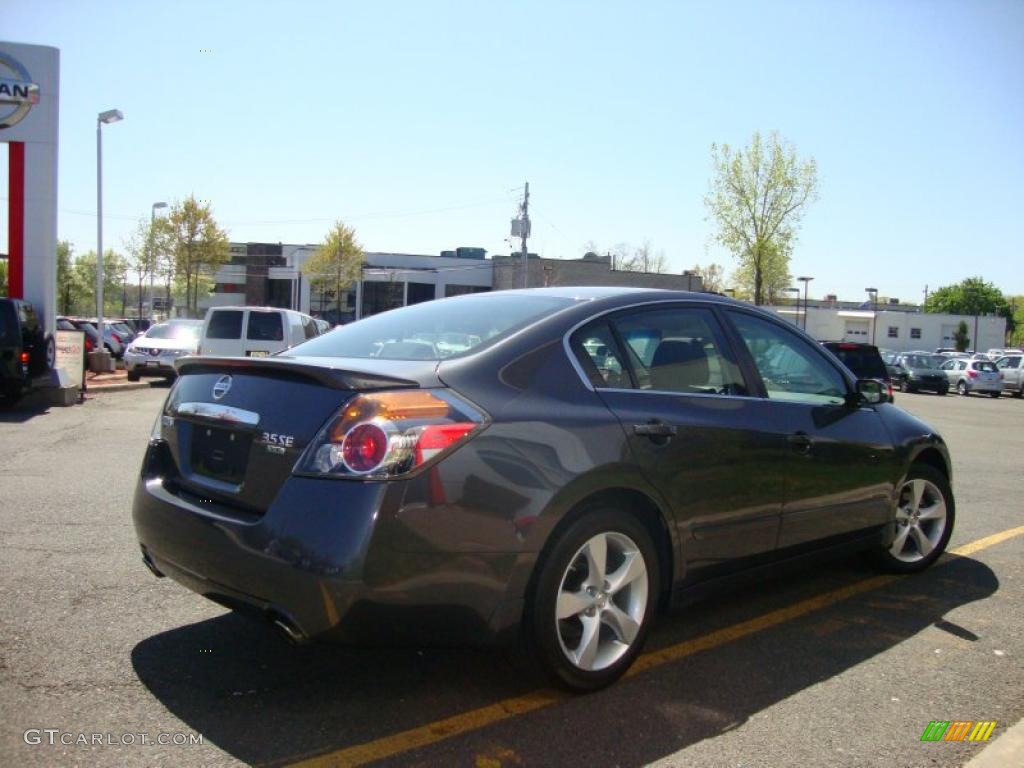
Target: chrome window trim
[[218, 413], [683, 303]]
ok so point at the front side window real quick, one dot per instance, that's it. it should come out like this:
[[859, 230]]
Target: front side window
[[791, 368], [679, 350]]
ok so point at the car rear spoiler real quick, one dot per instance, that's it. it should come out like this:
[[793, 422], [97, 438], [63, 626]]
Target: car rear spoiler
[[335, 378]]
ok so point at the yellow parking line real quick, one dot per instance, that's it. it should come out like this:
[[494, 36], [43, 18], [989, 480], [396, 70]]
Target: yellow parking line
[[464, 722]]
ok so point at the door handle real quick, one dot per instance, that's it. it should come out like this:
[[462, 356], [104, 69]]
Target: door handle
[[801, 442], [658, 431]]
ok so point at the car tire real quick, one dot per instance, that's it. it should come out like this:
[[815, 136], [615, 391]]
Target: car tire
[[943, 392], [1019, 393], [961, 388], [607, 608], [995, 394], [905, 386], [924, 518], [133, 376]]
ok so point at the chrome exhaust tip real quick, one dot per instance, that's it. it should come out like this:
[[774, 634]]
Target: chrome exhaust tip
[[287, 628]]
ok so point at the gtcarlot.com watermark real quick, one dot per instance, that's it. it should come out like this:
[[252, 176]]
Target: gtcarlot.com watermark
[[56, 737]]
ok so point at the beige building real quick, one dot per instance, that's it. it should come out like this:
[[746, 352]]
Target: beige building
[[590, 270]]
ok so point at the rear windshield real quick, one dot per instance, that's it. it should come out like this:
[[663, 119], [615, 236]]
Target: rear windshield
[[865, 362], [265, 326], [923, 361], [225, 324], [984, 365], [434, 330]]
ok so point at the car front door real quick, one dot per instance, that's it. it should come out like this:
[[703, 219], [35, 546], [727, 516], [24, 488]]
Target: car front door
[[1010, 367], [841, 466], [699, 436]]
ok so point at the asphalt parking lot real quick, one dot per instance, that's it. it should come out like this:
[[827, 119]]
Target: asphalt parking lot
[[831, 666]]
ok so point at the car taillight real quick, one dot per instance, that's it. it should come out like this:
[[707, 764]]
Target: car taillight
[[888, 386], [116, 338], [88, 344], [389, 434], [972, 374], [24, 357]]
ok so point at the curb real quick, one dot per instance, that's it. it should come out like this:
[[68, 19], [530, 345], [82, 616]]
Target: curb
[[1006, 751], [119, 387]]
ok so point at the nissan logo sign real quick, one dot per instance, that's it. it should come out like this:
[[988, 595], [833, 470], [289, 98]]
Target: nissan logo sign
[[222, 387], [18, 94]]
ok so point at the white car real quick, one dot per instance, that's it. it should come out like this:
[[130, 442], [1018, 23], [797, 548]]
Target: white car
[[154, 352], [968, 376], [254, 331]]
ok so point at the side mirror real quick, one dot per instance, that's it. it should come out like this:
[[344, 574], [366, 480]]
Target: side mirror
[[871, 392]]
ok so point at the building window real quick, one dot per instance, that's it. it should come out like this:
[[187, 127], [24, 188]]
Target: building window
[[419, 292], [380, 297], [915, 333], [894, 332]]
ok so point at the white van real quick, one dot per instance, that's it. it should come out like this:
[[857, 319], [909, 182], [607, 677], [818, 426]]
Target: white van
[[253, 331]]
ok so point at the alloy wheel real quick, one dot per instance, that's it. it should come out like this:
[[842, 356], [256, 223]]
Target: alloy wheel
[[920, 520], [602, 600]]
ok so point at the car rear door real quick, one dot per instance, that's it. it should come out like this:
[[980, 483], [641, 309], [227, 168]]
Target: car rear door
[[669, 376], [1010, 367], [841, 465]]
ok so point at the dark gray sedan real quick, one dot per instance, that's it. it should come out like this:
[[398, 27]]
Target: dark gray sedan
[[580, 460]]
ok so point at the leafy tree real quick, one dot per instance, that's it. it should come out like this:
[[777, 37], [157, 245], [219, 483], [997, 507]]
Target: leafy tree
[[3, 277], [757, 198], [712, 276], [960, 338], [144, 245], [337, 264], [69, 285], [114, 269], [1016, 336], [775, 277], [198, 245], [972, 296]]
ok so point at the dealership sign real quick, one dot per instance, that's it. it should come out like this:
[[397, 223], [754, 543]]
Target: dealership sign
[[18, 94]]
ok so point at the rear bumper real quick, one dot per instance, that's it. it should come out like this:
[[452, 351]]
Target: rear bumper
[[928, 385], [327, 557], [974, 385]]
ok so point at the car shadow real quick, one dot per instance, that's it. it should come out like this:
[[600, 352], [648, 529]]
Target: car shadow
[[32, 404], [267, 703]]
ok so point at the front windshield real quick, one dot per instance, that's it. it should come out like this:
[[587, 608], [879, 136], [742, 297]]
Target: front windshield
[[433, 330], [177, 331]]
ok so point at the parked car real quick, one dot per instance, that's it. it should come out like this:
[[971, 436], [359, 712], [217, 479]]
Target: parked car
[[254, 331], [89, 343], [593, 455], [112, 341], [26, 350], [995, 354], [969, 376], [864, 360], [155, 352], [1012, 370], [922, 373]]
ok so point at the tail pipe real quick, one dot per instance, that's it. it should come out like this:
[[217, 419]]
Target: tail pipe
[[287, 627]]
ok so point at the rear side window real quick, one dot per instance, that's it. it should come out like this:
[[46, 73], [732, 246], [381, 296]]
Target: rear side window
[[265, 326], [598, 353], [225, 324], [8, 324]]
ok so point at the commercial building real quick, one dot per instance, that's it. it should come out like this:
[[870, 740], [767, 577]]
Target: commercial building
[[270, 274], [592, 269], [897, 327]]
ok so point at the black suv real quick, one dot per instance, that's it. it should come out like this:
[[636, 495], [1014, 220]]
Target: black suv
[[25, 349], [863, 359]]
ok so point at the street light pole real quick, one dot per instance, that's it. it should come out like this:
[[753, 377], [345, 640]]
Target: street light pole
[[874, 312], [805, 281], [110, 116]]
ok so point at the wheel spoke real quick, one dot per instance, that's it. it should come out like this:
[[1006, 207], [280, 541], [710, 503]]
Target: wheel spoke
[[597, 558], [621, 623], [572, 603], [936, 511], [916, 491], [900, 541], [924, 546], [631, 569], [586, 651]]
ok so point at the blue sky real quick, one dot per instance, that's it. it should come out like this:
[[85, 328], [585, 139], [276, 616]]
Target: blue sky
[[419, 122]]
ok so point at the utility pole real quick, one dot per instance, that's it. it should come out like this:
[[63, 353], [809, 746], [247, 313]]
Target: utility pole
[[524, 232]]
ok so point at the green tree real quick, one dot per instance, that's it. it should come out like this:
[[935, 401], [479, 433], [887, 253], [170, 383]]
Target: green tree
[[757, 198], [960, 338], [1016, 336], [972, 296], [775, 277], [3, 277], [337, 264], [198, 246], [69, 286], [84, 270]]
